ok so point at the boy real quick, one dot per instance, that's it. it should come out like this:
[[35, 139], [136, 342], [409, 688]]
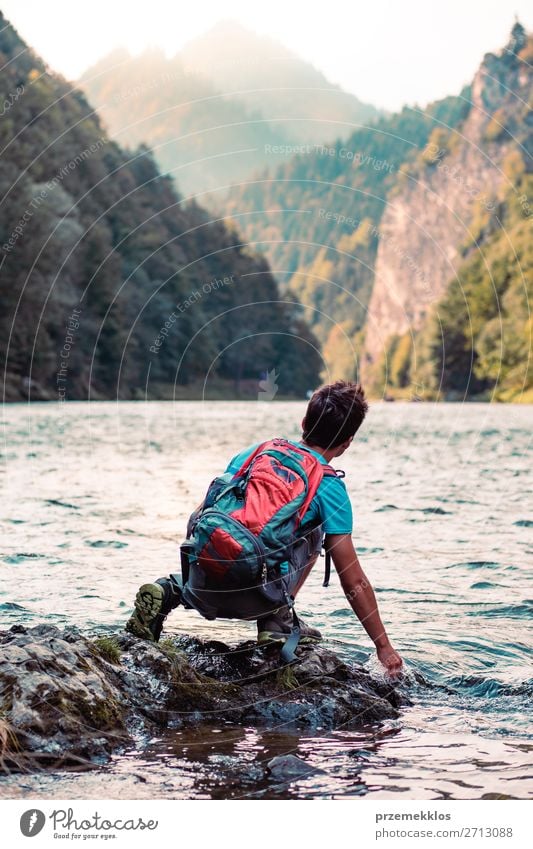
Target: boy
[[334, 414]]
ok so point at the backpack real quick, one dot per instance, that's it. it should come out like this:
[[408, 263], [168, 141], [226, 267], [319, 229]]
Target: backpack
[[250, 521]]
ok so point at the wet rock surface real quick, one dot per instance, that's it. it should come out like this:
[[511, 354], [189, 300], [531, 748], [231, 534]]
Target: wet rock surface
[[67, 699], [289, 768]]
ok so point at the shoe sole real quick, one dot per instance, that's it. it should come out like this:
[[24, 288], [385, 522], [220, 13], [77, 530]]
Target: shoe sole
[[148, 604]]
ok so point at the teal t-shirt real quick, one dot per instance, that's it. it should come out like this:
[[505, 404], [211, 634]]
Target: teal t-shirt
[[331, 505]]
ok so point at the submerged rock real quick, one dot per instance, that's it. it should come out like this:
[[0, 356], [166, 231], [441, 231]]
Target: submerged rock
[[290, 768], [69, 699]]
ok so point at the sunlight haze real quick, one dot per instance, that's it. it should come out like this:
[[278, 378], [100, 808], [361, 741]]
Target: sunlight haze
[[386, 53]]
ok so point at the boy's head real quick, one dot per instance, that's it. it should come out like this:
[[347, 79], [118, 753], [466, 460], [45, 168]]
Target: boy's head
[[334, 415]]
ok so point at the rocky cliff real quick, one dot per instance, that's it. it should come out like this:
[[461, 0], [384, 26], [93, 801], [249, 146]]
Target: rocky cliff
[[446, 203]]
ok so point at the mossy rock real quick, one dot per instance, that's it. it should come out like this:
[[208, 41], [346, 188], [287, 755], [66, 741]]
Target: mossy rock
[[70, 699], [108, 648]]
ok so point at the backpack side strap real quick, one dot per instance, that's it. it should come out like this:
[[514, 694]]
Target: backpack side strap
[[288, 650]]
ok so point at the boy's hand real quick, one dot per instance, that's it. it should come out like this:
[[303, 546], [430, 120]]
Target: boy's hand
[[390, 659]]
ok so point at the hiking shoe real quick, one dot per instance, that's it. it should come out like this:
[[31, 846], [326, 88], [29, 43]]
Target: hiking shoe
[[276, 627], [153, 603]]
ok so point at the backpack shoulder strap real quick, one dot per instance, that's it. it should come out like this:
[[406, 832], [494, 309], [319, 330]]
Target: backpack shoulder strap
[[330, 472], [327, 569]]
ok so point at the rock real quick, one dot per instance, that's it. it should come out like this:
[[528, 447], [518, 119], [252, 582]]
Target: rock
[[290, 768], [68, 699]]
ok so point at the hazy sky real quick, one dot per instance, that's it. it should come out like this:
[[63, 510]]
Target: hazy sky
[[387, 52]]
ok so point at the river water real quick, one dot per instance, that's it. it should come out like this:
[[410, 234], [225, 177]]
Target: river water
[[94, 502]]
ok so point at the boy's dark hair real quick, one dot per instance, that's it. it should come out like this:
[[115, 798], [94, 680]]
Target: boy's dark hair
[[334, 414]]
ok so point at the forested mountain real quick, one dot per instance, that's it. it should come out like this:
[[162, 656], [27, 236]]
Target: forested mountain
[[110, 284], [408, 240], [201, 137], [214, 112], [317, 217], [271, 79]]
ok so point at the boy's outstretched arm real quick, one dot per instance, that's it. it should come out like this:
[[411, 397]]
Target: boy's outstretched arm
[[359, 592]]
